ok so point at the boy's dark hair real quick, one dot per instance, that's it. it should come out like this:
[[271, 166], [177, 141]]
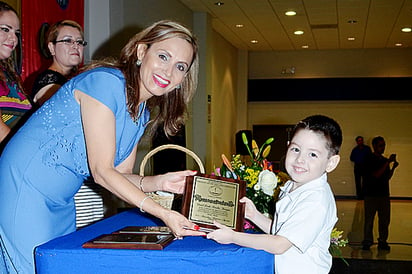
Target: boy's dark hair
[[325, 126]]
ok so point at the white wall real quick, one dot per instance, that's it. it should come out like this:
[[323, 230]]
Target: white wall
[[390, 119], [331, 63]]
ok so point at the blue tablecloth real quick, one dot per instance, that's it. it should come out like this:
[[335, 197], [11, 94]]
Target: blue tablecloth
[[194, 255]]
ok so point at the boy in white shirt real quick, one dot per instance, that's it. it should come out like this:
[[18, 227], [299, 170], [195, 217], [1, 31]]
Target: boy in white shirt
[[299, 234]]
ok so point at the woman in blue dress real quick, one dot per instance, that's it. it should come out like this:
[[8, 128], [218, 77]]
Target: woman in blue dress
[[91, 128]]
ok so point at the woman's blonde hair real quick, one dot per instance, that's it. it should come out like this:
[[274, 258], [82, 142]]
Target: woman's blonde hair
[[54, 30], [170, 108]]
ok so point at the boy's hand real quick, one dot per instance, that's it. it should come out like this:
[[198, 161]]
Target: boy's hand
[[250, 208], [223, 234]]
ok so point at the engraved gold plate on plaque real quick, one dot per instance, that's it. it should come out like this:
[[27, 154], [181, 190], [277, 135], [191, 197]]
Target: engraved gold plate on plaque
[[211, 198]]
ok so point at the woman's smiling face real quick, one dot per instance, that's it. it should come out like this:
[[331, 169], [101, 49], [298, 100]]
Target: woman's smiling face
[[9, 32], [164, 66]]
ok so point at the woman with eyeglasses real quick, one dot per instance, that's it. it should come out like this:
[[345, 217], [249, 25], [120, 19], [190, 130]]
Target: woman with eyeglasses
[[14, 103], [91, 127], [65, 43]]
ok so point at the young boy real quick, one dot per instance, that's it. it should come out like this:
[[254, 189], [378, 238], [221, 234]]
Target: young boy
[[299, 234]]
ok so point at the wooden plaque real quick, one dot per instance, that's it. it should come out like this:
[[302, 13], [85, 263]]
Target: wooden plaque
[[130, 241], [208, 198], [134, 237]]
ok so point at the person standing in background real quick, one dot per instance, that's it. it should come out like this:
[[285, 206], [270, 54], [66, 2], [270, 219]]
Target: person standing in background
[[14, 103], [65, 43], [378, 171], [357, 156]]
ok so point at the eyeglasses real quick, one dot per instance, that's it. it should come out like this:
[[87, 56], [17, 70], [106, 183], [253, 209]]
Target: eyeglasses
[[71, 42]]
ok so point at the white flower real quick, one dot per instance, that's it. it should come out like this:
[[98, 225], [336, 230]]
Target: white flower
[[267, 181]]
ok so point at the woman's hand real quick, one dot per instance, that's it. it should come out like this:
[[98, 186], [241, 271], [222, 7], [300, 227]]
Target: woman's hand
[[174, 181], [223, 234], [180, 225]]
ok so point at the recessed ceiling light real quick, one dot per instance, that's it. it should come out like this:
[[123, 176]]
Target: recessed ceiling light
[[305, 46], [351, 38], [239, 25], [219, 3], [254, 41], [290, 13], [299, 32], [406, 29], [398, 45]]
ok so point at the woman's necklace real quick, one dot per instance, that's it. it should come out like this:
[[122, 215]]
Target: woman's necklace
[[142, 108]]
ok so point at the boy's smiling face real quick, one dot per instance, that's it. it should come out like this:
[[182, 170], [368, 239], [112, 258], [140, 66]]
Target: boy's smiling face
[[307, 157]]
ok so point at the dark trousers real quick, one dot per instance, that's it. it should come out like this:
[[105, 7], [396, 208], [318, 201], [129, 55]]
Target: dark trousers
[[358, 172], [382, 206]]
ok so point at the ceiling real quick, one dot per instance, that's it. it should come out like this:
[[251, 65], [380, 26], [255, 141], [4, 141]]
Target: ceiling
[[326, 23]]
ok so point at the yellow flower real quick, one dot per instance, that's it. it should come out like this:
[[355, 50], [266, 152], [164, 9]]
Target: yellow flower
[[236, 161], [336, 238], [255, 148], [266, 151], [251, 176], [336, 242]]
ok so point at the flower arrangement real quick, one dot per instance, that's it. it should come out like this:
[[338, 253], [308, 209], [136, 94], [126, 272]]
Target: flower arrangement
[[336, 242], [263, 182]]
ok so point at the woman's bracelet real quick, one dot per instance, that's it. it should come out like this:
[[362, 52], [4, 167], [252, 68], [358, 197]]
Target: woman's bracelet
[[141, 183], [142, 202]]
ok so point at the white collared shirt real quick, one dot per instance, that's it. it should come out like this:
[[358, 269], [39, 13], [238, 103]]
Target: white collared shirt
[[306, 217]]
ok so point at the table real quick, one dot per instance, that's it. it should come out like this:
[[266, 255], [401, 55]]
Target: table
[[193, 254]]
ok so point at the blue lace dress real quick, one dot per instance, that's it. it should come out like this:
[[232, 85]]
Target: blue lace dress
[[89, 199], [44, 165]]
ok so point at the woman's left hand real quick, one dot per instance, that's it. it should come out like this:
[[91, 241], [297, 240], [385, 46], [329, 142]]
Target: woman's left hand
[[175, 181], [180, 225]]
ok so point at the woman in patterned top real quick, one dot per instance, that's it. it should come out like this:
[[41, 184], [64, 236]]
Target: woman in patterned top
[[13, 101]]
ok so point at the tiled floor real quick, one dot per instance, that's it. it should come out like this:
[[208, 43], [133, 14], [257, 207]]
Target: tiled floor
[[350, 214]]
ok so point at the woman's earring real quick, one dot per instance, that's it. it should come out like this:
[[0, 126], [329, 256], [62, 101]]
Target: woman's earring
[[138, 62], [178, 86]]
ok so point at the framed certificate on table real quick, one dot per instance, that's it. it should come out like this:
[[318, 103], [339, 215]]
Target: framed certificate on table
[[209, 198], [134, 237]]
